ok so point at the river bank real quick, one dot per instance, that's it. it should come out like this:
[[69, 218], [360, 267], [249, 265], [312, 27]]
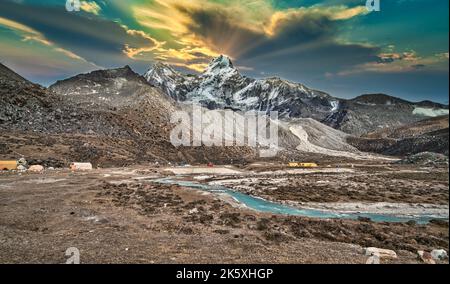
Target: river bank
[[121, 215]]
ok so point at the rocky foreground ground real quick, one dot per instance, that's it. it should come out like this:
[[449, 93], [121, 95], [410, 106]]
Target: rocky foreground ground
[[120, 215]]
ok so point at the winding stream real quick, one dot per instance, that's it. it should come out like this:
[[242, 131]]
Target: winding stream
[[262, 205]]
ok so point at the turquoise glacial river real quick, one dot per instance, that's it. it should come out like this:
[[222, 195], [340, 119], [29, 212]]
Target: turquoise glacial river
[[262, 205]]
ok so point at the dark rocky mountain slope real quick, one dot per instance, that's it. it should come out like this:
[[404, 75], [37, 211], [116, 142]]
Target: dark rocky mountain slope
[[430, 135], [108, 117]]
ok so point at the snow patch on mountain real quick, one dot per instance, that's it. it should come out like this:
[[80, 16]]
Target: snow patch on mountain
[[334, 105], [167, 79], [430, 112], [220, 66]]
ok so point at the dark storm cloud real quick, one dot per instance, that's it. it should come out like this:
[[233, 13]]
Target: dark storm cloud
[[302, 46], [96, 40], [296, 31], [217, 29], [223, 31]]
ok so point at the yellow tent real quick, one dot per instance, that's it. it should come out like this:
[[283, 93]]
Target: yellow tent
[[8, 165], [302, 165]]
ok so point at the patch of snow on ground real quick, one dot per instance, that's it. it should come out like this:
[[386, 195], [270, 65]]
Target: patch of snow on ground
[[399, 209]]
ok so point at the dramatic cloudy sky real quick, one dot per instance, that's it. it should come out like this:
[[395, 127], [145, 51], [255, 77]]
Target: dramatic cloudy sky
[[332, 45]]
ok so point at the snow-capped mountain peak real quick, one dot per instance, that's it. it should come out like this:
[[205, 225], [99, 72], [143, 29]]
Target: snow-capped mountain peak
[[221, 61], [221, 66], [161, 71], [165, 77], [221, 85]]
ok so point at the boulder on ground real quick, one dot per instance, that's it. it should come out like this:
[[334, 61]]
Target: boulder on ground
[[21, 168], [426, 257], [81, 166], [439, 254], [382, 253], [22, 162], [193, 211], [36, 169]]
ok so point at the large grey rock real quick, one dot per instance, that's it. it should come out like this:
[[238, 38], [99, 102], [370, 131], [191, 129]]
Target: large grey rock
[[439, 254], [36, 169], [382, 253], [22, 162]]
